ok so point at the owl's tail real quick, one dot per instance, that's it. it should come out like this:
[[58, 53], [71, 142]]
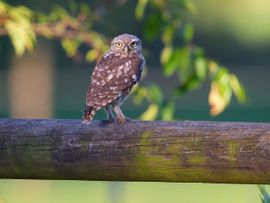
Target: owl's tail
[[88, 114]]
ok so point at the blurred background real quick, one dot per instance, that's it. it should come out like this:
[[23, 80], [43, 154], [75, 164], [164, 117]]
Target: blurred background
[[51, 82]]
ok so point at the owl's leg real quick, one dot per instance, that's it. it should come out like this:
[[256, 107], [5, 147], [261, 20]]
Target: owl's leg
[[109, 113], [120, 117]]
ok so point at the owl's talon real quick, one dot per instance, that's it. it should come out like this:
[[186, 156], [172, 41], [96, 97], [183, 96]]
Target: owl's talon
[[104, 123], [127, 119], [86, 121], [107, 121], [123, 120]]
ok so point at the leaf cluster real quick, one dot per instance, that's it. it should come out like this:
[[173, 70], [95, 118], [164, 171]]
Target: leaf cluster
[[182, 59]]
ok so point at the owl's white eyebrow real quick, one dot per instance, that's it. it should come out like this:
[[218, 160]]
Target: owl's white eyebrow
[[135, 40]]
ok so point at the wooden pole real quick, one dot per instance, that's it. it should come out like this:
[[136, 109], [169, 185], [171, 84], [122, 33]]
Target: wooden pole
[[184, 151], [31, 83]]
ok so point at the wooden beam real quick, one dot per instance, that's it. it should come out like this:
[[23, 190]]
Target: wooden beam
[[183, 151]]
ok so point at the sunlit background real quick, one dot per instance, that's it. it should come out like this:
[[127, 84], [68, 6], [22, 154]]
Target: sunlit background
[[47, 84]]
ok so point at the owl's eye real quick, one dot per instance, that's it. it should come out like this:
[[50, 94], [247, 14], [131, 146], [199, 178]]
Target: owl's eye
[[133, 44], [118, 44]]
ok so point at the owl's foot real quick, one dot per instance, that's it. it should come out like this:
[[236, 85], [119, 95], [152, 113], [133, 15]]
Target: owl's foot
[[115, 120], [107, 121], [120, 117], [86, 121], [122, 120], [104, 123], [129, 119]]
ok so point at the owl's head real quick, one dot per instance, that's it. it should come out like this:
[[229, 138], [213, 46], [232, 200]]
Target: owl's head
[[126, 44]]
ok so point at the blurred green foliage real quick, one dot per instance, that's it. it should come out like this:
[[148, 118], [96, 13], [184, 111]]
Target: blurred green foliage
[[162, 21], [264, 195]]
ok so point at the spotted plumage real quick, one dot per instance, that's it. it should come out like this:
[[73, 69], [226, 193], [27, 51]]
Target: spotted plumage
[[113, 78]]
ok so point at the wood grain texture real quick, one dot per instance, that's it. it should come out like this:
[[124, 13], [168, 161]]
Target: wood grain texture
[[184, 151]]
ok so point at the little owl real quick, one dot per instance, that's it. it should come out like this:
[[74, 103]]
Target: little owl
[[113, 78]]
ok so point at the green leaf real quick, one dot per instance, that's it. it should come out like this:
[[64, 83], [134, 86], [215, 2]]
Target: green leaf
[[168, 34], [140, 94], [216, 99], [84, 8], [191, 83], [184, 59], [151, 113], [201, 68], [167, 111], [222, 75], [17, 41], [186, 4], [221, 91], [139, 10], [152, 27], [3, 7], [238, 89], [21, 11], [20, 29], [179, 60], [73, 6], [70, 46], [223, 82], [172, 64], [223, 85], [60, 11], [166, 53], [188, 32], [213, 68], [91, 55], [155, 94], [99, 41]]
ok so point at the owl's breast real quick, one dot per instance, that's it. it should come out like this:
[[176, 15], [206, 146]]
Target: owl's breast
[[137, 64]]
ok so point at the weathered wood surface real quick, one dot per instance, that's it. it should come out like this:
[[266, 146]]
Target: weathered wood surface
[[181, 151]]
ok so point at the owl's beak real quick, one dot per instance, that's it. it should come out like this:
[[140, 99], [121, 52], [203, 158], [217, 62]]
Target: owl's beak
[[126, 49]]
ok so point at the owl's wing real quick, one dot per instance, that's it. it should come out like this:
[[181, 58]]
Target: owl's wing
[[113, 75]]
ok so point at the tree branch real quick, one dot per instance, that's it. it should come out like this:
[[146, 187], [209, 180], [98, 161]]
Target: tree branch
[[61, 30]]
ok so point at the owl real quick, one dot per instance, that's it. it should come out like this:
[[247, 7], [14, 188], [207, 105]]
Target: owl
[[113, 77]]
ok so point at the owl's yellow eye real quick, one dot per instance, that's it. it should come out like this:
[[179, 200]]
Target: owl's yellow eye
[[118, 44], [133, 44]]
